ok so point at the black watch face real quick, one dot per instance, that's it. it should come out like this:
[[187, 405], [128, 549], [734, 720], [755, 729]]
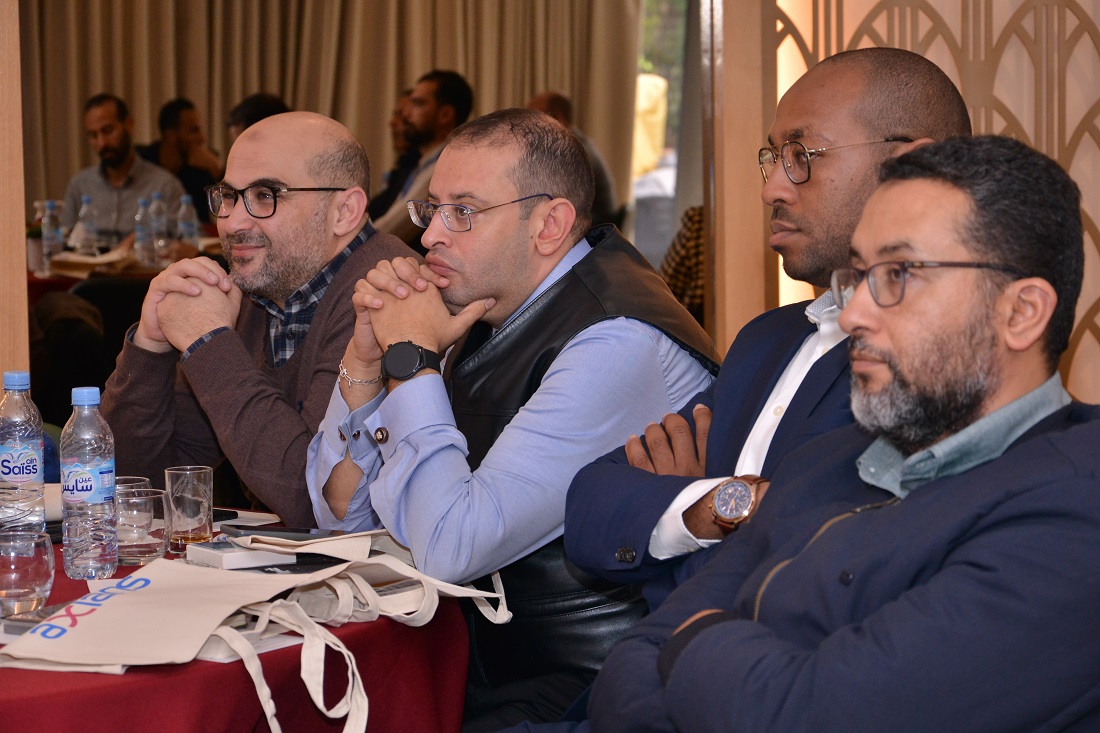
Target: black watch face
[[733, 501], [401, 360]]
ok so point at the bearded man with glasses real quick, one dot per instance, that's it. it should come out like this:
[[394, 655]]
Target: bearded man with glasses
[[638, 513], [558, 339], [240, 365]]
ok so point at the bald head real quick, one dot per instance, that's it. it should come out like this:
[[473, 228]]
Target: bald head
[[903, 94], [328, 150], [555, 104]]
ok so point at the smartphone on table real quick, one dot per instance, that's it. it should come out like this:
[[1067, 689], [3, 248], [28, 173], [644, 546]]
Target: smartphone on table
[[286, 533]]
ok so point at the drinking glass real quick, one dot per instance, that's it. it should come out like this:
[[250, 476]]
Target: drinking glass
[[190, 491], [142, 526], [26, 571]]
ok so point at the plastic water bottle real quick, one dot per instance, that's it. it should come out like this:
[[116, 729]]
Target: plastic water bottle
[[158, 221], [52, 241], [22, 503], [89, 242], [89, 533], [187, 222], [143, 235]]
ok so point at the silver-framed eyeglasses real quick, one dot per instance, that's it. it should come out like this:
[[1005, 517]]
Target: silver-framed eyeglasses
[[456, 217], [887, 279], [796, 157], [259, 200]]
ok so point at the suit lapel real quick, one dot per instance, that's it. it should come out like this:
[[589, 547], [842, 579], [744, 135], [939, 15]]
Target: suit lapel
[[826, 380], [746, 387]]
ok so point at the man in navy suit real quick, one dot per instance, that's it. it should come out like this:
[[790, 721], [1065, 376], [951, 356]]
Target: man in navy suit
[[785, 378]]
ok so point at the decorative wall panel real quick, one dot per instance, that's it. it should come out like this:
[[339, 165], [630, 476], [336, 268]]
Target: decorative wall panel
[[1027, 68]]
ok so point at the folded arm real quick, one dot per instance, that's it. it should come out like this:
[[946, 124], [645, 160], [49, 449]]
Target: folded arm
[[1000, 636]]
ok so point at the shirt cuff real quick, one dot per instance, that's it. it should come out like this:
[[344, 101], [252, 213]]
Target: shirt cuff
[[671, 537], [418, 404], [204, 339]]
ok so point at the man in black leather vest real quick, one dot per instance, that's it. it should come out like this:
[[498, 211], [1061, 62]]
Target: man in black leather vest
[[564, 340]]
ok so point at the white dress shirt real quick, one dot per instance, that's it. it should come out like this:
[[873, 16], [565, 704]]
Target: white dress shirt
[[671, 537]]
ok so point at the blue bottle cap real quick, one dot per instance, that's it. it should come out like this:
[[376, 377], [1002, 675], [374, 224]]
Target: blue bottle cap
[[84, 396], [86, 199], [17, 380]]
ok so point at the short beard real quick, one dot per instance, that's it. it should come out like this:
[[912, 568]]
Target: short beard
[[815, 264], [284, 268], [960, 374], [114, 157]]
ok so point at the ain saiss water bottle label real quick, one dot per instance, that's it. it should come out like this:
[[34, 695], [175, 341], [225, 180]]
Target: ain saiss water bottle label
[[20, 464], [92, 484]]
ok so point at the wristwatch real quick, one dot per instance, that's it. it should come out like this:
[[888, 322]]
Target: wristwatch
[[404, 359], [734, 500]]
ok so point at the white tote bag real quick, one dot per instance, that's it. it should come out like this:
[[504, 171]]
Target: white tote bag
[[123, 623]]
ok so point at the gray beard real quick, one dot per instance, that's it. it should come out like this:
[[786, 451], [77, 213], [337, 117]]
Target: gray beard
[[913, 417]]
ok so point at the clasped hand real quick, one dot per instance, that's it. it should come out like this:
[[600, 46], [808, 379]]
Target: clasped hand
[[400, 300], [190, 298]]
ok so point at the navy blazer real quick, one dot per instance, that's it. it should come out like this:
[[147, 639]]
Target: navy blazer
[[612, 508]]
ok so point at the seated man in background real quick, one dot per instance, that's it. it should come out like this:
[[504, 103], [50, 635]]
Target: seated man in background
[[631, 515], [440, 102], [407, 159], [182, 151], [935, 567], [252, 109], [120, 179], [204, 375], [575, 341], [560, 107]]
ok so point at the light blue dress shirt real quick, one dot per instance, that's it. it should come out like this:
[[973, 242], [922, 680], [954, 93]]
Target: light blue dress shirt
[[609, 382]]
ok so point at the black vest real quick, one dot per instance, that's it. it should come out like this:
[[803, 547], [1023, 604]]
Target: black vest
[[563, 619]]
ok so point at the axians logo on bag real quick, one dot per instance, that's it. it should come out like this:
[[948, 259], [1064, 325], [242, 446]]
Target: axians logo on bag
[[19, 465], [69, 617]]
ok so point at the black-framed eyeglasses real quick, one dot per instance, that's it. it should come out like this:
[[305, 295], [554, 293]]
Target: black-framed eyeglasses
[[796, 157], [456, 217], [259, 200], [887, 279]]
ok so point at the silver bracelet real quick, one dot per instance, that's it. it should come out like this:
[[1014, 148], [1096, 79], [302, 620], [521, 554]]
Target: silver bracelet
[[350, 380]]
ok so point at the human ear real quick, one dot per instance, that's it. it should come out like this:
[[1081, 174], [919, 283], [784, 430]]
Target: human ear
[[448, 116], [556, 223], [351, 205], [901, 148], [1029, 305]]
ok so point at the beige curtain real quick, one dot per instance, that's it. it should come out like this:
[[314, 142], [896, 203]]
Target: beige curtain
[[344, 58]]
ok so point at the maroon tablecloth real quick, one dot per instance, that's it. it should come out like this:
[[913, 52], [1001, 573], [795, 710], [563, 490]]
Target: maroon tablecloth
[[415, 680]]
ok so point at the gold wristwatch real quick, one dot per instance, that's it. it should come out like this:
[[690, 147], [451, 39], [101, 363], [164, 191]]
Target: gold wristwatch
[[734, 501]]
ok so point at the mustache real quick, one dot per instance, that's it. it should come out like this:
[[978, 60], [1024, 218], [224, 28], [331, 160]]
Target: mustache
[[252, 239], [857, 347], [783, 214]]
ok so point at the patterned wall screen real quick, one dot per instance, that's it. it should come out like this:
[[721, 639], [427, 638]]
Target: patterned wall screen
[[1027, 68]]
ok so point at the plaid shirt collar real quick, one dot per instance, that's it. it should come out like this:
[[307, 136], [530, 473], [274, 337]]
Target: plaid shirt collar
[[287, 327]]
